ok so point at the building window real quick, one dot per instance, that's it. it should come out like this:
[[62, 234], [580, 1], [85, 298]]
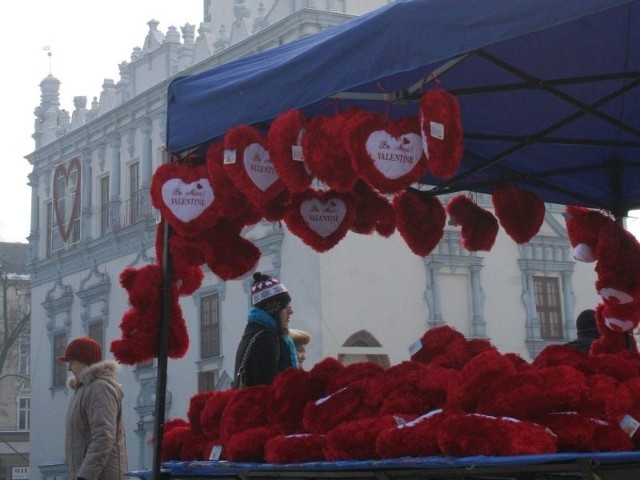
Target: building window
[[59, 368], [207, 380], [135, 196], [24, 413], [210, 326], [96, 331], [54, 240], [104, 205], [24, 360], [548, 308]]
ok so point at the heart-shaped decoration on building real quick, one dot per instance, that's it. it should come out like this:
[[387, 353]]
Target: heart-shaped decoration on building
[[387, 154], [66, 196], [185, 197], [320, 218], [248, 165]]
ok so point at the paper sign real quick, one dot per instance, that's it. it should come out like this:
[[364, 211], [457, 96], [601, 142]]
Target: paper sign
[[436, 130], [216, 451], [229, 157], [415, 347], [629, 425]]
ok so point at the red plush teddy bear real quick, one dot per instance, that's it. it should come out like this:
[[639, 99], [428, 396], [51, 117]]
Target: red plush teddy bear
[[597, 237]]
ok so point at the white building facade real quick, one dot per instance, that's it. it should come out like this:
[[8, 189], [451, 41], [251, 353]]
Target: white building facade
[[368, 298]]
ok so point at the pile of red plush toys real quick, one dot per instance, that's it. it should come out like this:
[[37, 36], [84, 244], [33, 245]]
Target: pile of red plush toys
[[454, 397]]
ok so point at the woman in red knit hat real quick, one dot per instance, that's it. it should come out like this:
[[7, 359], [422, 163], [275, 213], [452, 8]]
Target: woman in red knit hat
[[95, 441]]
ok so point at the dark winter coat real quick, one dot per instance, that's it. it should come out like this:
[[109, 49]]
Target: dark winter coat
[[95, 439], [269, 355]]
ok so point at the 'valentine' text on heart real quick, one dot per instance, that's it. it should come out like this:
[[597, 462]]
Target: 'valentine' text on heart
[[187, 200], [394, 156]]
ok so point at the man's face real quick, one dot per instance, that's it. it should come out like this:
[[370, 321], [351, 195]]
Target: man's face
[[77, 367]]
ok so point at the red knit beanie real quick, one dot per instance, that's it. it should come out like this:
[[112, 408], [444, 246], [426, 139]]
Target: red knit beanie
[[82, 349]]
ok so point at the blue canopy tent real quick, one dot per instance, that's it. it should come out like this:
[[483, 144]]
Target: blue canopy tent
[[549, 92]]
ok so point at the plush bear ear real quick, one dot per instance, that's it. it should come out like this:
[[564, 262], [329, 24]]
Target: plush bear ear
[[520, 213], [441, 132]]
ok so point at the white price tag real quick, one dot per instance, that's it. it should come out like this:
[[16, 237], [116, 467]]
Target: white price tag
[[216, 451], [229, 157], [436, 130], [415, 347], [296, 153]]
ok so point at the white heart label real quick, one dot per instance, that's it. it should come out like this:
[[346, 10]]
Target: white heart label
[[392, 156], [187, 200], [259, 166], [324, 218]]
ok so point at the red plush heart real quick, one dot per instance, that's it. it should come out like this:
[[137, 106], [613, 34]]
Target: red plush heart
[[249, 166], [441, 132], [231, 201], [325, 152], [66, 185], [320, 219], [185, 197], [420, 220], [284, 142], [372, 212], [520, 213], [387, 154], [479, 226]]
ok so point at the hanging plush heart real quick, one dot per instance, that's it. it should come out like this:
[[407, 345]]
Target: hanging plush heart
[[325, 152], [284, 142], [276, 209], [249, 166], [420, 220], [184, 196], [520, 213], [372, 212], [479, 226], [320, 219], [232, 203], [387, 154], [441, 132]]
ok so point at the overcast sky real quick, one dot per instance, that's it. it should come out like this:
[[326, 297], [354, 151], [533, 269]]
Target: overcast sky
[[88, 41], [87, 44]]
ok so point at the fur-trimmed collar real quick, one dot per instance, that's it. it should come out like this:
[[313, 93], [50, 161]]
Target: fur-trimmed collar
[[106, 369]]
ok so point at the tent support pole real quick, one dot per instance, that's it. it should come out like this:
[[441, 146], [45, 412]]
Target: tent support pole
[[163, 347]]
